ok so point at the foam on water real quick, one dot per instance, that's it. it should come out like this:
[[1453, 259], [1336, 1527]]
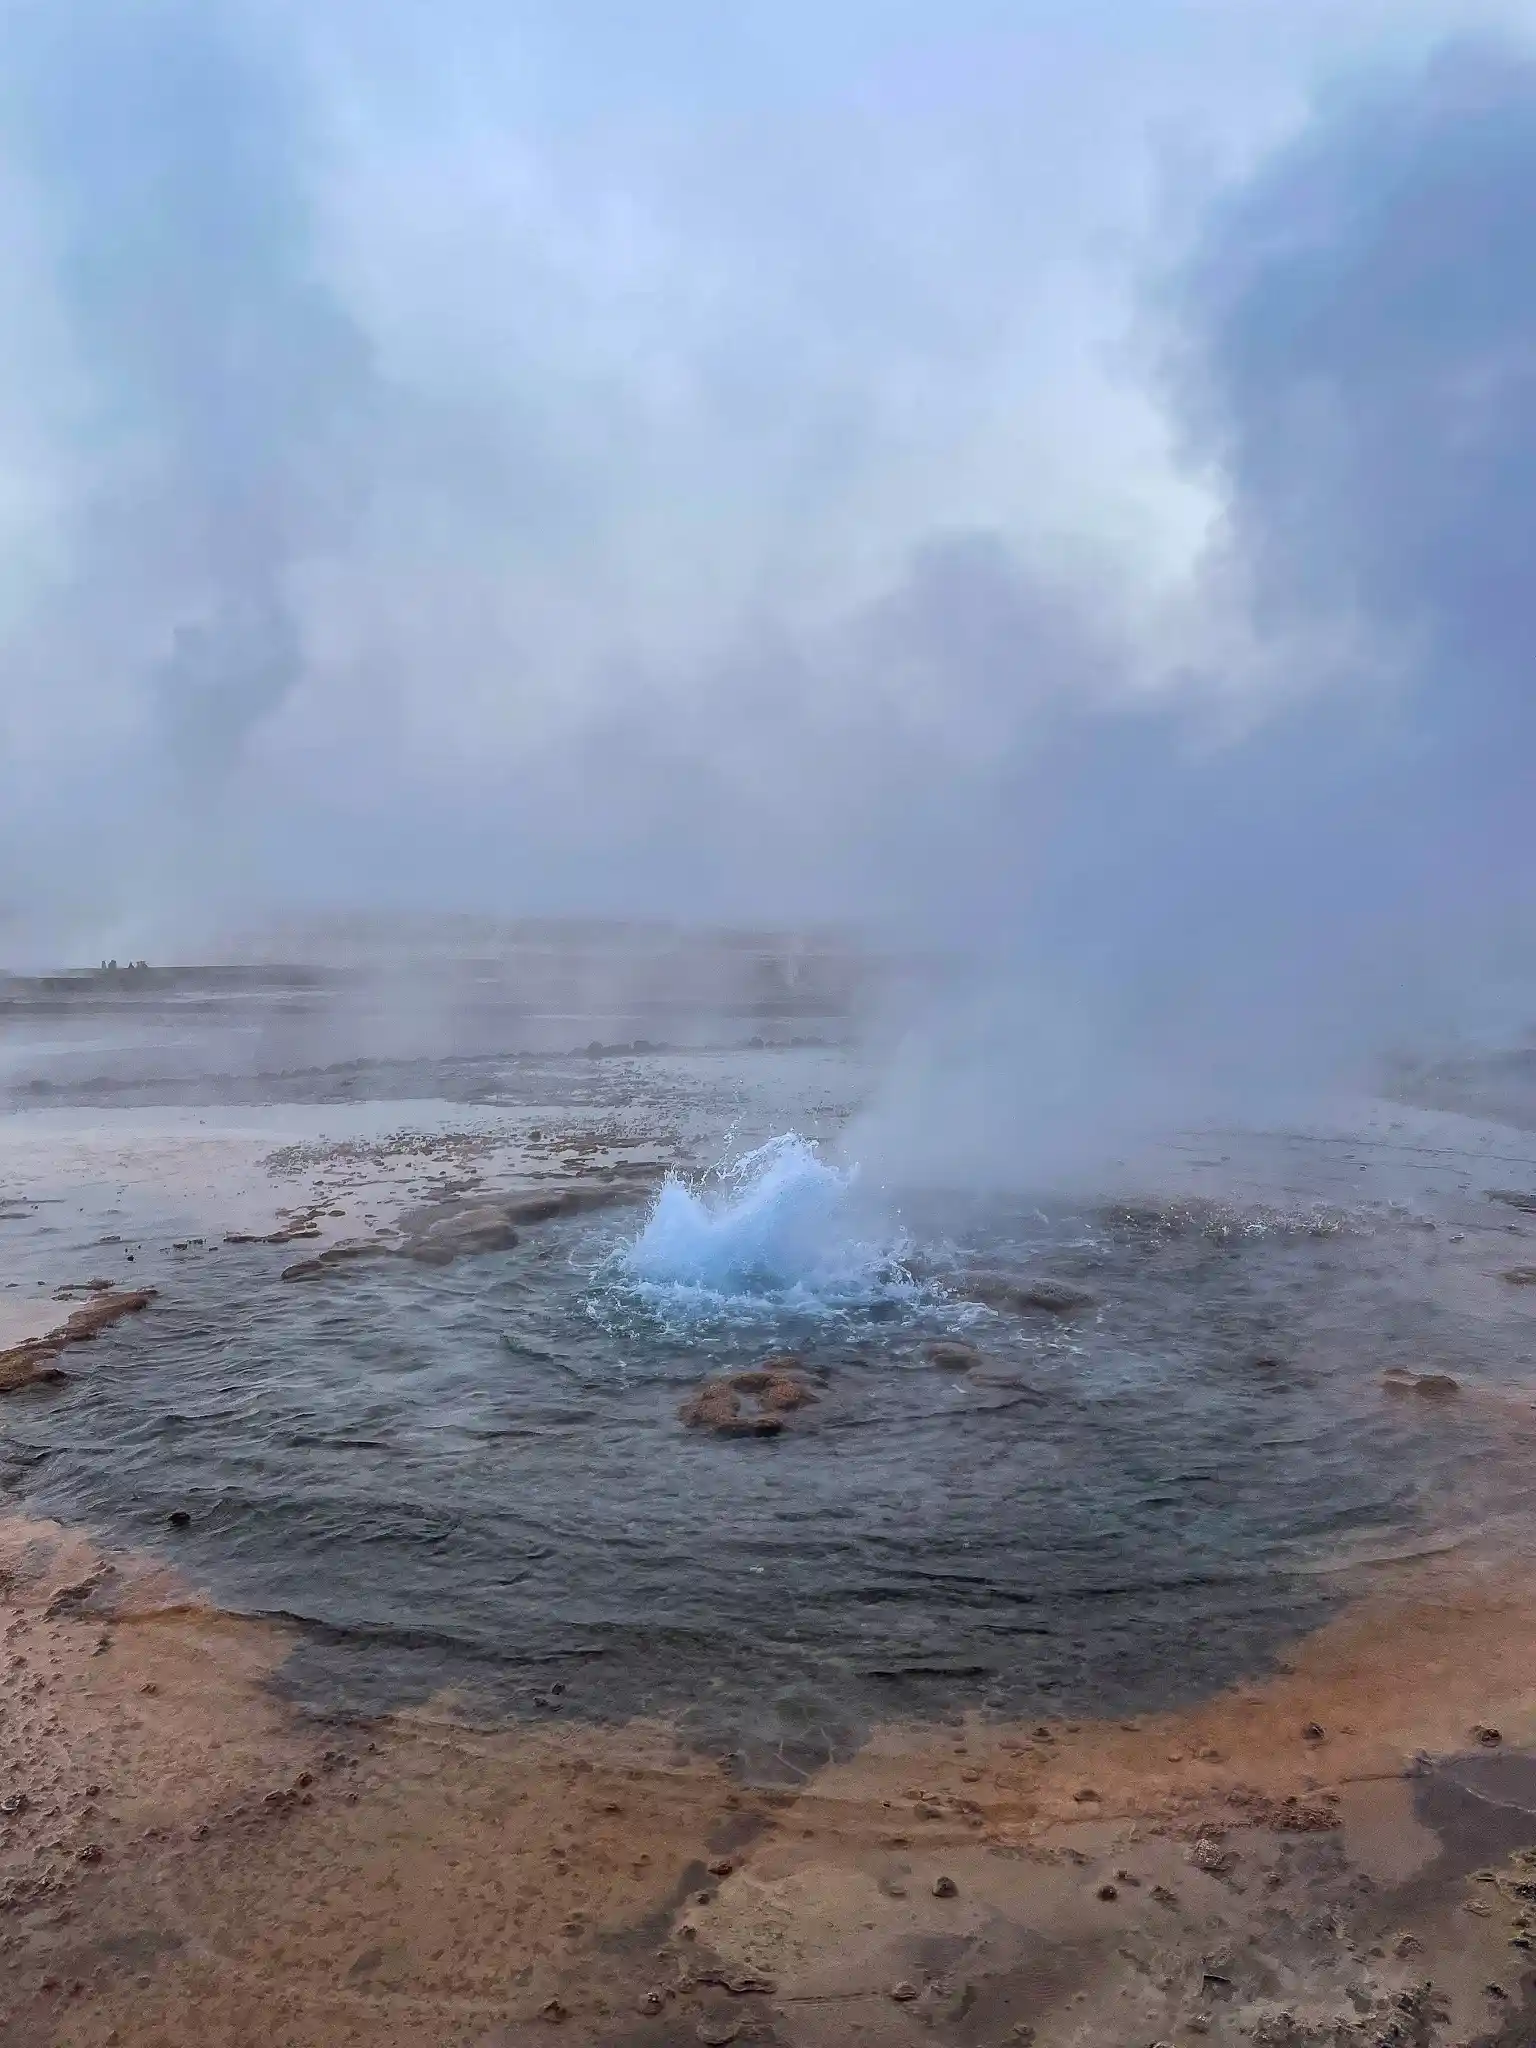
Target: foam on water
[[780, 1232]]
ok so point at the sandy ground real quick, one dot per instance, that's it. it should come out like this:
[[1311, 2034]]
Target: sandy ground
[[1329, 1855]]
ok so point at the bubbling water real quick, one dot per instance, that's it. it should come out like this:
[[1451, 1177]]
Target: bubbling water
[[782, 1232]]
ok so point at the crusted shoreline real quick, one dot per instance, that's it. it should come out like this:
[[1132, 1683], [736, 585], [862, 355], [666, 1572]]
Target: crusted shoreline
[[1331, 1853]]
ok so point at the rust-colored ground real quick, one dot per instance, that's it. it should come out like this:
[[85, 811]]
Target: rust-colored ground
[[185, 1860]]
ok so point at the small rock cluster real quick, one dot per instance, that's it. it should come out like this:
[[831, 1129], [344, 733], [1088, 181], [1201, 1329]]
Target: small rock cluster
[[772, 1390]]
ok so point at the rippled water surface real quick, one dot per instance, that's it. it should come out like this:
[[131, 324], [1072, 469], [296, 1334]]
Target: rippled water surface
[[477, 1475]]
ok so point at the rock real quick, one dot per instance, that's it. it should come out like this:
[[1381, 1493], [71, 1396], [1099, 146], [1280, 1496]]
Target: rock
[[553, 2011], [466, 1233], [717, 1404], [1313, 1732], [953, 1356], [33, 1362], [1514, 1198], [722, 1866], [1489, 1737], [333, 1256], [1008, 1291], [1106, 1892], [653, 2001], [945, 1888], [179, 1518], [1521, 1276], [718, 2033], [775, 1383], [788, 1393], [903, 1992], [1057, 1297], [445, 1231], [1433, 1386], [1211, 1857]]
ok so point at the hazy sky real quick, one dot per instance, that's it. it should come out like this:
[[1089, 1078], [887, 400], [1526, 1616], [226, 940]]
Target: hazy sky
[[744, 460]]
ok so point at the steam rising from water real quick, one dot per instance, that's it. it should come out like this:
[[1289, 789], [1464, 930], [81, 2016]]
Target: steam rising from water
[[780, 1235]]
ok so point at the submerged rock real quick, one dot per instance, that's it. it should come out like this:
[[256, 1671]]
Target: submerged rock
[[484, 1228], [1433, 1386], [715, 1406], [775, 1387], [952, 1355], [437, 1235], [775, 1384], [335, 1255], [1521, 1276], [1008, 1291], [34, 1361], [1057, 1297], [787, 1393]]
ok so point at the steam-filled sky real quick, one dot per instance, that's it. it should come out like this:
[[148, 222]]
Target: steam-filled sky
[[950, 464]]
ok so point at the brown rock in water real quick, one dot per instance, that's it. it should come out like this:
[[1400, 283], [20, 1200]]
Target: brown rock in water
[[335, 1255], [445, 1231], [34, 1362], [1433, 1386], [787, 1393], [953, 1355], [775, 1389], [484, 1228], [30, 1364], [754, 1425], [1057, 1297], [1007, 1291], [1521, 1276], [714, 1406]]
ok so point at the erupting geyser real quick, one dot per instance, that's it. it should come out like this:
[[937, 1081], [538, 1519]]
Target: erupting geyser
[[780, 1231]]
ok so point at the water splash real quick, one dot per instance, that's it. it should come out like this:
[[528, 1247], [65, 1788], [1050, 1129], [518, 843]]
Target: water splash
[[781, 1233]]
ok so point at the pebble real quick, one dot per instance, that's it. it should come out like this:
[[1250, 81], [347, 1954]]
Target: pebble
[[721, 1867], [903, 1992], [553, 2011], [1107, 1891], [1489, 1737], [945, 1888], [718, 2033], [1313, 1732]]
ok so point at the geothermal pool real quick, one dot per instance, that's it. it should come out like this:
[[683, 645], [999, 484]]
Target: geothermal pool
[[477, 1476]]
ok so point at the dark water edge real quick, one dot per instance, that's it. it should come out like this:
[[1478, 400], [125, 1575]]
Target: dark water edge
[[475, 1479]]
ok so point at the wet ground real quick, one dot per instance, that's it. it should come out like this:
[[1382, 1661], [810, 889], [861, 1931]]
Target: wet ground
[[1069, 1463]]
